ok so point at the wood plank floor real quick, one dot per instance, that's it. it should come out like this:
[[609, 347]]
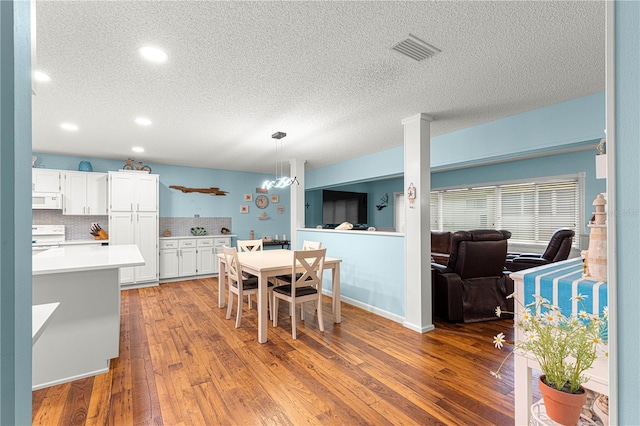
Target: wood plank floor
[[182, 363]]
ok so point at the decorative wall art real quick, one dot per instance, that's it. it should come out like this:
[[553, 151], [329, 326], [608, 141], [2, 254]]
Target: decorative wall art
[[248, 197], [411, 194], [244, 209], [383, 202], [213, 191], [274, 198], [262, 190], [280, 209]]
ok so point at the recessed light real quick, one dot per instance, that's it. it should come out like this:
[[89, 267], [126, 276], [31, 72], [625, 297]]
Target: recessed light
[[153, 54], [69, 126], [143, 121], [137, 149], [41, 77]]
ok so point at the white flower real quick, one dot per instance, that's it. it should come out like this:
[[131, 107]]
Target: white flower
[[540, 300], [597, 341], [496, 374], [526, 314], [583, 315], [531, 336], [579, 298], [498, 341], [511, 296], [605, 312], [498, 311], [549, 318]]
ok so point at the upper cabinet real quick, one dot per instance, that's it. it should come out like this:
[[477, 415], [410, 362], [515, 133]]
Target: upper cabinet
[[45, 180], [85, 193], [133, 192]]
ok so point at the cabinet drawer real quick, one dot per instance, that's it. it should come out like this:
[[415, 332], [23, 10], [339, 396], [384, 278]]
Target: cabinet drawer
[[168, 244], [187, 243], [205, 242], [226, 241]]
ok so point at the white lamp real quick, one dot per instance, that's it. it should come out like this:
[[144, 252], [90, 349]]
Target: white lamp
[[280, 181]]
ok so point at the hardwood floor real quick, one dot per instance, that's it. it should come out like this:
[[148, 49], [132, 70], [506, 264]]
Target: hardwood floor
[[182, 363]]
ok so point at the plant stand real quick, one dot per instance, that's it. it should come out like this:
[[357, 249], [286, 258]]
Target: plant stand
[[539, 417]]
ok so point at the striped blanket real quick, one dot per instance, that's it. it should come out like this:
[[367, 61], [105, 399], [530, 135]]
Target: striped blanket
[[561, 281]]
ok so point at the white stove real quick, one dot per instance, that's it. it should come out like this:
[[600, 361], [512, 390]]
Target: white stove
[[44, 237]]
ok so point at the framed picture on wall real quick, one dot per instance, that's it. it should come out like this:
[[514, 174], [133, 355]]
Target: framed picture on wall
[[248, 197], [244, 209], [274, 198], [261, 190]]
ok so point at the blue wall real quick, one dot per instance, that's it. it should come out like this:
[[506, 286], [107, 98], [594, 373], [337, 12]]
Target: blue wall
[[174, 203], [568, 125], [372, 269], [627, 208]]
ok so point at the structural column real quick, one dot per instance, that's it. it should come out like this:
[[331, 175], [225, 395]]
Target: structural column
[[417, 233], [296, 208], [15, 212]]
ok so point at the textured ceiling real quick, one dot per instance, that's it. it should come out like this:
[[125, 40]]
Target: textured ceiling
[[320, 71]]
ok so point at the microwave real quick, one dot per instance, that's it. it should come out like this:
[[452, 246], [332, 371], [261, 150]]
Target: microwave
[[46, 200]]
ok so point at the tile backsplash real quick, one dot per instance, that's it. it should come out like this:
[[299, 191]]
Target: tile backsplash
[[181, 226], [76, 227]]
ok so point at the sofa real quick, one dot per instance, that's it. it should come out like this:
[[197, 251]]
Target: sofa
[[440, 246]]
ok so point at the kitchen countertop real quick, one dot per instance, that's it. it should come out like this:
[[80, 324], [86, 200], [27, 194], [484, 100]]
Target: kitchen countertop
[[87, 241], [75, 258], [184, 237]]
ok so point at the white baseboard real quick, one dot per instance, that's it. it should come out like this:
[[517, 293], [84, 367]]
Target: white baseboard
[[368, 308]]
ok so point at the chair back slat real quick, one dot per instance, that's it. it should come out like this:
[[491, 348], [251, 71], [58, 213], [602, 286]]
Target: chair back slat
[[250, 245], [234, 270], [312, 262], [311, 245]]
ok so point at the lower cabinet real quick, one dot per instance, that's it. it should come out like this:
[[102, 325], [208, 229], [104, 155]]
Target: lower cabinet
[[187, 257]]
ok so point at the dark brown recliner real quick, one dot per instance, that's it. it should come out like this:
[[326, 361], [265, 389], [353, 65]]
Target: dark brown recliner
[[558, 249], [473, 284]]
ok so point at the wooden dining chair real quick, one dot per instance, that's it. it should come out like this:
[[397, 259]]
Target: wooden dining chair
[[306, 288], [240, 285], [306, 245], [249, 245]]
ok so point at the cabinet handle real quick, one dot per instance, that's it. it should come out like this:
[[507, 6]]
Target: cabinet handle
[[131, 206]]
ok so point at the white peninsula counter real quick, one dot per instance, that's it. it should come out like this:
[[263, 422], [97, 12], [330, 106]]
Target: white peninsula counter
[[84, 334]]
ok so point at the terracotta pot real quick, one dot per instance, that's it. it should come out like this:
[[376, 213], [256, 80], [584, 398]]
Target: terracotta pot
[[562, 407]]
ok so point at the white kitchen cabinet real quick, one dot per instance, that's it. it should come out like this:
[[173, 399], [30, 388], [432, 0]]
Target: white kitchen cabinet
[[130, 222], [187, 265], [169, 259], [183, 257], [85, 193], [204, 257], [129, 191], [45, 180]]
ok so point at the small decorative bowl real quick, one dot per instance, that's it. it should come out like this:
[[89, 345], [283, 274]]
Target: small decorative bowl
[[198, 231]]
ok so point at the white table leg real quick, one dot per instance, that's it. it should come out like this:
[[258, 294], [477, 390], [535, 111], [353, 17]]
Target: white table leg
[[522, 390], [263, 283], [337, 308], [222, 273]]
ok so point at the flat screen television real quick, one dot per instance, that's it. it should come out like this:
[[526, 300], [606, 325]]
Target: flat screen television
[[343, 206]]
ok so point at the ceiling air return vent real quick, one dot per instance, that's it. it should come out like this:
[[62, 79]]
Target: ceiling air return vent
[[415, 48]]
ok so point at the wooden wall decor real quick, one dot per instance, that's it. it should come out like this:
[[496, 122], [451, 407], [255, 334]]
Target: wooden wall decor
[[212, 191]]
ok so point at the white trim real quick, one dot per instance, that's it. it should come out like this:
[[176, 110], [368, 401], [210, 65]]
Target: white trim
[[374, 310]]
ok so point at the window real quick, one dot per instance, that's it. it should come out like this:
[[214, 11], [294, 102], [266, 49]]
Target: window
[[532, 211]]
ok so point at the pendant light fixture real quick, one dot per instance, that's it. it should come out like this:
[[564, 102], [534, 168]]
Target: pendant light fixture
[[280, 181]]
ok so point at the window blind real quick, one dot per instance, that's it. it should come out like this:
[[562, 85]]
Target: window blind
[[532, 211]]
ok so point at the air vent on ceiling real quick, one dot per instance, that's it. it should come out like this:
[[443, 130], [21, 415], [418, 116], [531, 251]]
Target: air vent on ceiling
[[415, 48]]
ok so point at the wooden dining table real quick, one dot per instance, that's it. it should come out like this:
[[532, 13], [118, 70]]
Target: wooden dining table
[[267, 264]]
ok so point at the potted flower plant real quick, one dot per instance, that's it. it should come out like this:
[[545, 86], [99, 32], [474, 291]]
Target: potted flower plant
[[565, 347]]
